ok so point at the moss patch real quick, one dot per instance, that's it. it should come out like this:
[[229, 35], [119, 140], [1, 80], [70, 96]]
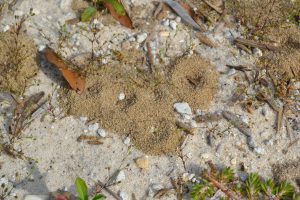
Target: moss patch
[[17, 62]]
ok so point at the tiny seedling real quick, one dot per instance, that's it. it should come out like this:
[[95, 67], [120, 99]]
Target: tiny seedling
[[82, 191]]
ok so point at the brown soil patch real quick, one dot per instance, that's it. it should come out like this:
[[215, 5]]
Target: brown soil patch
[[288, 172], [146, 114], [17, 62]]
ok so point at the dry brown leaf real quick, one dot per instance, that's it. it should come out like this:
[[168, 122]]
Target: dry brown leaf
[[75, 81], [123, 19]]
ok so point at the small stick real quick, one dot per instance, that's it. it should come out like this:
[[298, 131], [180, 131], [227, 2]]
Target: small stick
[[253, 43], [228, 192], [102, 185], [243, 47], [205, 40]]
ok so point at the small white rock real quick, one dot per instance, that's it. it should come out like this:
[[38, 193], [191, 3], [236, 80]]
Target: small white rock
[[183, 108], [178, 19], [231, 72], [127, 141], [141, 37], [6, 28], [257, 52], [233, 161], [41, 47], [194, 180], [166, 22], [185, 177], [206, 156], [173, 24], [101, 132], [121, 96], [121, 176], [93, 127], [124, 195], [191, 176], [245, 119], [259, 150]]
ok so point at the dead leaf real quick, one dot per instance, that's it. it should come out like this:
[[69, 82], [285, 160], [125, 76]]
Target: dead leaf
[[75, 81], [123, 19]]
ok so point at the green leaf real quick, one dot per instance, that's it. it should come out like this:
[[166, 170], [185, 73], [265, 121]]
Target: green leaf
[[82, 189], [119, 8], [88, 14], [99, 197]]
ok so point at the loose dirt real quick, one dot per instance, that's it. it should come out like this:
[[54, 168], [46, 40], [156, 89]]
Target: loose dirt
[[146, 113], [17, 62]]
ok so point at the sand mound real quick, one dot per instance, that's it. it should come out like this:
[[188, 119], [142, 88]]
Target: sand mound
[[17, 62], [146, 113]]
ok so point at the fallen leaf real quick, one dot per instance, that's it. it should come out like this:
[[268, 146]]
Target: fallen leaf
[[88, 14], [118, 12], [75, 81], [181, 11]]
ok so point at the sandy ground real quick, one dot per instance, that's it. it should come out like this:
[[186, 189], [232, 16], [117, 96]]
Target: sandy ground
[[51, 139]]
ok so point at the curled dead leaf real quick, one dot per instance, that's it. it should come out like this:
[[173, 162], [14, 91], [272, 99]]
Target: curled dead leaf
[[74, 79], [124, 19]]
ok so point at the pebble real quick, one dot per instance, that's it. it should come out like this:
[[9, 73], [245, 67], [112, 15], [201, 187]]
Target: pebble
[[41, 47], [178, 19], [183, 108], [173, 24], [121, 176], [101, 132], [142, 162], [185, 177], [36, 197], [6, 28], [245, 119], [233, 161], [166, 22], [259, 150], [269, 142], [231, 72], [191, 176], [257, 52], [93, 127], [205, 156], [121, 96], [127, 141], [141, 37], [124, 195]]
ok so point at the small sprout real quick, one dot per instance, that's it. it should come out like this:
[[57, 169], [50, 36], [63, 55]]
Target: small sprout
[[284, 190], [253, 185], [202, 190], [226, 175]]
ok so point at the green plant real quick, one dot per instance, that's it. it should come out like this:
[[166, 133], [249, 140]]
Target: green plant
[[82, 191], [254, 187]]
